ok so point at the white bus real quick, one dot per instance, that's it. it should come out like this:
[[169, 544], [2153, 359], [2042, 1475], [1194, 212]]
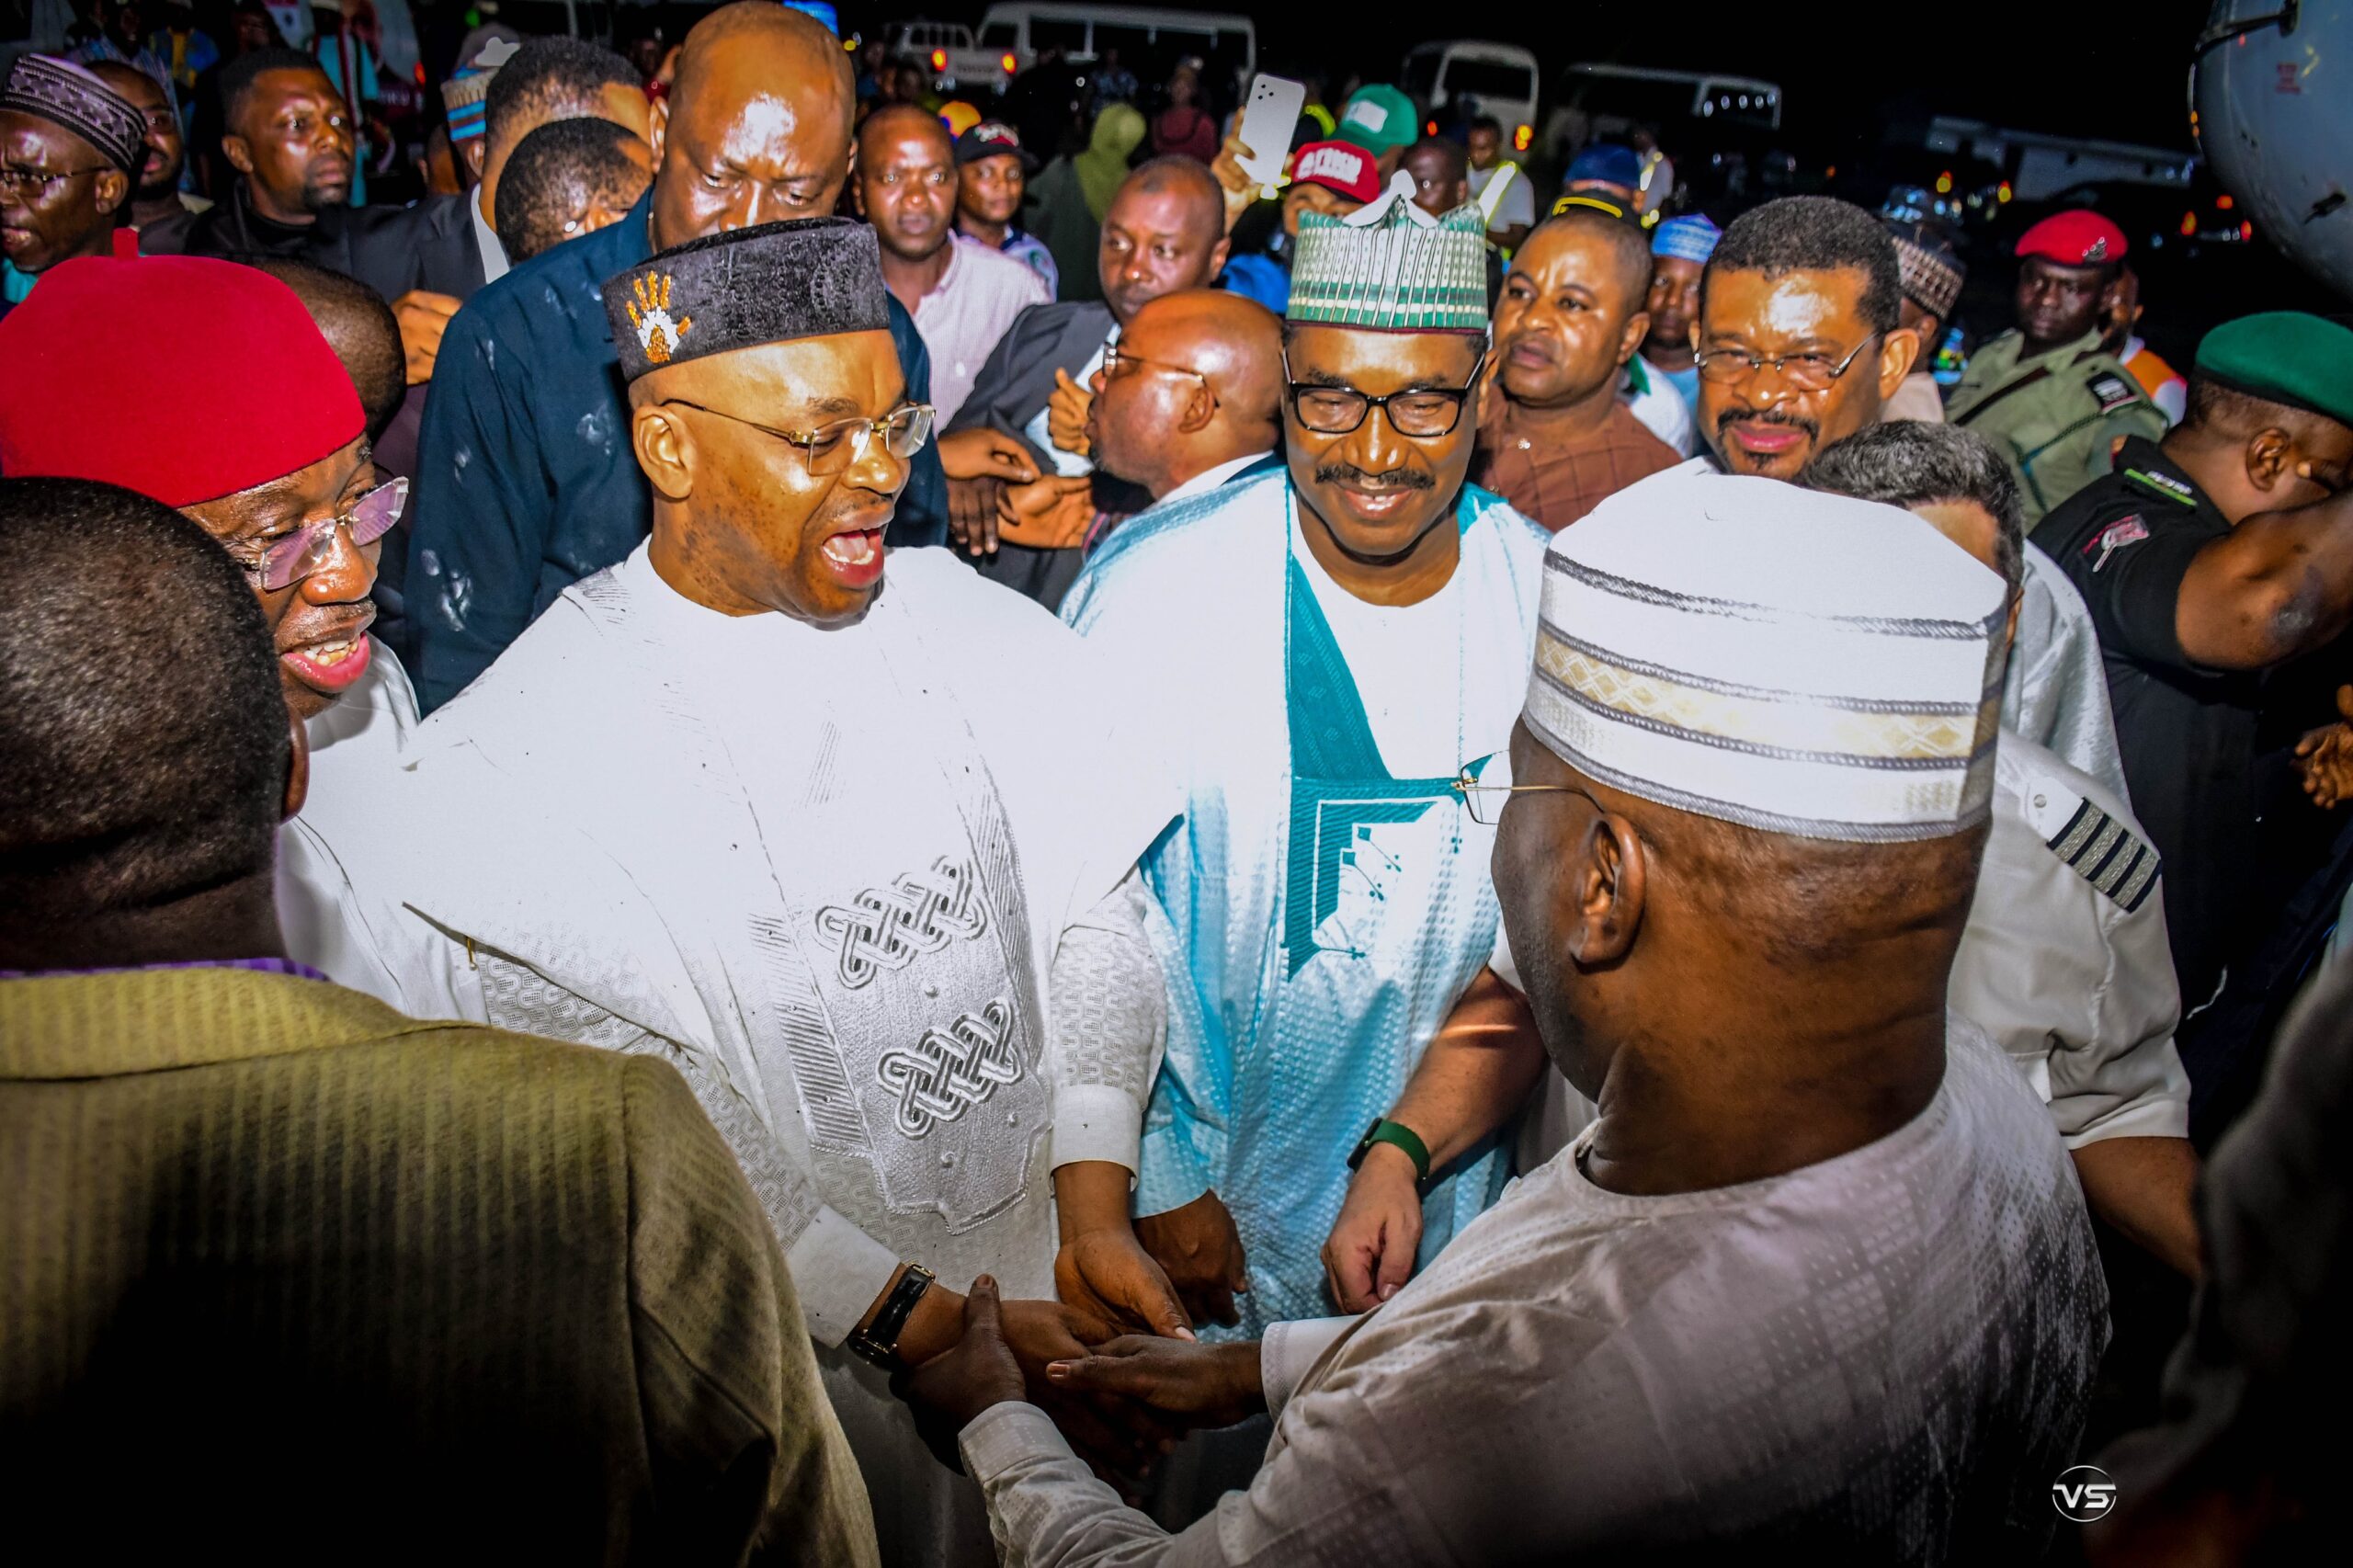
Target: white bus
[[1499, 78], [1149, 39]]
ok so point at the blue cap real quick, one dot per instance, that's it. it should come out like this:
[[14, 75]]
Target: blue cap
[[1689, 238], [1607, 162]]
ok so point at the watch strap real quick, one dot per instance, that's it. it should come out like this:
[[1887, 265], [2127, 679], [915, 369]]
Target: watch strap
[[878, 1341], [1398, 1135]]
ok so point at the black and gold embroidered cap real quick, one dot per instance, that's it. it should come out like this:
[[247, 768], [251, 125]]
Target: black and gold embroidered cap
[[806, 278]]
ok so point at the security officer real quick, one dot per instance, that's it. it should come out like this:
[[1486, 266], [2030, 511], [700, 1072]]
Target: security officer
[[2206, 561], [2064, 962], [2046, 395]]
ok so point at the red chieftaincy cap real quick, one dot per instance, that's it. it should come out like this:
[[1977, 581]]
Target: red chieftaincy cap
[[2078, 238], [182, 378]]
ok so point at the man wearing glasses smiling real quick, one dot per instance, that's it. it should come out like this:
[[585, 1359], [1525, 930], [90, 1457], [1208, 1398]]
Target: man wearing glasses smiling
[[69, 146], [1329, 646], [1798, 342], [243, 418]]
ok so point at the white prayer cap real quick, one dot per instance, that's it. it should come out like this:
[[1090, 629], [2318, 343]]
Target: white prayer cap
[[1794, 661]]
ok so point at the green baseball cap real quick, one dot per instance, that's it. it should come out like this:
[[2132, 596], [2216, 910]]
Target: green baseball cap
[[1379, 119], [2302, 360]]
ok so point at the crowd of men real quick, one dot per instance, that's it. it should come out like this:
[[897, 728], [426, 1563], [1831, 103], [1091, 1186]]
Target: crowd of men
[[694, 867]]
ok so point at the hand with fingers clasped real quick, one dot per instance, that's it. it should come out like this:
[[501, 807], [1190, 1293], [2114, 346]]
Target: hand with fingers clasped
[[1051, 513], [1001, 1355], [1186, 1384], [1199, 1251], [1369, 1254], [2325, 758], [980, 462]]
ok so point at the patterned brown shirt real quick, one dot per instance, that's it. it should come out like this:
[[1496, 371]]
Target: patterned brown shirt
[[1556, 483]]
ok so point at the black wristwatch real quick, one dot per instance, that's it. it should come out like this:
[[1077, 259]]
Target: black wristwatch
[[1398, 1135], [878, 1341]]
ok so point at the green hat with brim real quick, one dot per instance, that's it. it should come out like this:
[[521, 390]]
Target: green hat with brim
[[2287, 356], [1379, 119]]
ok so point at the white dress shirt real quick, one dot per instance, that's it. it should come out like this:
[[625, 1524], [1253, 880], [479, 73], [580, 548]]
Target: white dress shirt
[[493, 253], [1208, 479], [965, 314]]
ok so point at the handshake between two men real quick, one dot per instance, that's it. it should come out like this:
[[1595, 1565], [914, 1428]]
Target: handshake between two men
[[1126, 1291]]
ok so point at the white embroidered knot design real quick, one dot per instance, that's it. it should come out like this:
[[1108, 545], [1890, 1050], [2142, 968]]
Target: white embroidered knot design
[[951, 1070], [891, 927]]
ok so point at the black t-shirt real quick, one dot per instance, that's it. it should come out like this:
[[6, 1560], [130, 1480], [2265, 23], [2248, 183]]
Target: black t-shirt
[[2188, 733]]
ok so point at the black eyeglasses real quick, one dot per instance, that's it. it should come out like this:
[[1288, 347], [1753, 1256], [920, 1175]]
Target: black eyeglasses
[[1417, 412], [1807, 372]]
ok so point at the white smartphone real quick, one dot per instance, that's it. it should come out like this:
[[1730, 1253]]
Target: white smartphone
[[1268, 122]]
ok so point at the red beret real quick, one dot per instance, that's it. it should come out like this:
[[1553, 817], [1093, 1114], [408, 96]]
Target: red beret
[[180, 377], [2078, 238]]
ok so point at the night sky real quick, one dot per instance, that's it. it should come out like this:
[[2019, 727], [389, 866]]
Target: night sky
[[2118, 70]]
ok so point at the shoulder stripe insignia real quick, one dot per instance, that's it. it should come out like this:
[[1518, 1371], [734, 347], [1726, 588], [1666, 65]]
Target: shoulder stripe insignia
[[2104, 852], [2165, 484], [2113, 391]]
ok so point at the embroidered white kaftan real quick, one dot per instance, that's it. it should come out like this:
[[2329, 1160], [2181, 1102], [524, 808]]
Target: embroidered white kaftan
[[829, 874]]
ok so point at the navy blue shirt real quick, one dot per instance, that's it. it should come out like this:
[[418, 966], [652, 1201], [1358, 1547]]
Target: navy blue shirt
[[525, 482]]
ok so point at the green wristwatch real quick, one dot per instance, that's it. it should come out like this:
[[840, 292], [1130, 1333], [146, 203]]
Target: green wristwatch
[[1398, 1135]]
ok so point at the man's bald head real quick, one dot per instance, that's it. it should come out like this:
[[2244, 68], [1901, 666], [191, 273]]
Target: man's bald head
[[1197, 382], [906, 183], [1232, 339], [757, 126], [1164, 230], [358, 326], [761, 35], [903, 119]]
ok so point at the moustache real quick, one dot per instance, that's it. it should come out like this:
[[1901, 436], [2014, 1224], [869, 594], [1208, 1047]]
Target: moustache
[[1731, 418], [1348, 474]]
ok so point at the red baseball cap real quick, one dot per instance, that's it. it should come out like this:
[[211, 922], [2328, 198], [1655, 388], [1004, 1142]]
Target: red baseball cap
[[2080, 237], [1337, 166], [181, 378]]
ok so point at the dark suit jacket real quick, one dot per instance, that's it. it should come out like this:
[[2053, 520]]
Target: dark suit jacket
[[430, 246], [1012, 389], [293, 1278]]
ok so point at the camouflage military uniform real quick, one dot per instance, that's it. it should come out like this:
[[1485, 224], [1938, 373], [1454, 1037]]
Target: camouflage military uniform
[[2056, 417]]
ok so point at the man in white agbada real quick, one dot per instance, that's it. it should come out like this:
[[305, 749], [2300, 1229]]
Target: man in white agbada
[[1326, 648], [1819, 1274], [740, 801]]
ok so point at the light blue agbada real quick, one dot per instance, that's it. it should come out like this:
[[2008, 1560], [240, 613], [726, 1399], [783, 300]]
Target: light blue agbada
[[1328, 910]]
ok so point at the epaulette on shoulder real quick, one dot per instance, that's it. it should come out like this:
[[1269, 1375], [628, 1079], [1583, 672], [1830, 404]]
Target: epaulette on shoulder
[[2113, 390], [2104, 852]]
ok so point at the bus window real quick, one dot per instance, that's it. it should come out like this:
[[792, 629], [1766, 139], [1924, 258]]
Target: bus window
[[1047, 33], [1489, 79], [1421, 76]]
